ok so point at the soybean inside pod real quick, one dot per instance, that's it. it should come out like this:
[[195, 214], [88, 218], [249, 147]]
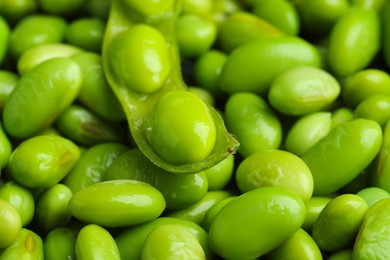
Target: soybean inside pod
[[173, 127]]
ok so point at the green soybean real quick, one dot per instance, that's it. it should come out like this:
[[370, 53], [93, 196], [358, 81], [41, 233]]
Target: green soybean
[[340, 156], [172, 241], [345, 254], [313, 209], [338, 223], [355, 31], [303, 90], [273, 55], [52, 207], [28, 245], [95, 93], [92, 166], [299, 246], [376, 108], [363, 84], [254, 123], [60, 7], [136, 236], [381, 173], [20, 198], [122, 27], [213, 211], [275, 168], [95, 242], [8, 81], [86, 33], [4, 38], [10, 224], [307, 130], [63, 236], [130, 202], [86, 128], [179, 190], [14, 11], [36, 29], [40, 95], [373, 194], [220, 174], [5, 148], [43, 161], [276, 216], [373, 241]]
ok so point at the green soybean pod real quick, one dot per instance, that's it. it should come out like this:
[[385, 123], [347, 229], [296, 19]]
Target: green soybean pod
[[299, 246], [220, 174], [136, 236], [376, 108], [42, 161], [95, 242], [372, 241], [275, 168], [363, 84], [373, 194], [275, 217], [356, 30], [340, 156], [338, 223], [20, 198], [63, 236], [95, 93], [13, 11], [93, 165], [195, 35], [145, 100], [52, 207], [86, 33], [303, 90], [179, 190], [10, 224], [381, 175], [36, 29], [306, 131], [172, 241], [86, 128], [40, 95], [253, 122], [8, 81], [5, 32], [242, 27], [43, 52], [273, 56], [28, 245], [197, 211], [280, 13], [313, 209], [130, 202]]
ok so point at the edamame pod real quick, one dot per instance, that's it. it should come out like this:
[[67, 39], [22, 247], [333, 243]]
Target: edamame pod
[[130, 241], [28, 245], [356, 30], [340, 156], [42, 161], [264, 225], [158, 81], [95, 242], [40, 96], [253, 66], [179, 190], [129, 202], [373, 239]]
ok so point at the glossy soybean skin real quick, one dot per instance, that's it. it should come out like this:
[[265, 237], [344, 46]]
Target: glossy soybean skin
[[34, 104], [264, 225], [254, 123], [63, 236], [303, 90], [28, 245], [130, 202], [375, 107], [338, 223], [272, 56], [340, 156], [10, 224], [353, 41], [179, 190], [373, 241], [275, 168], [42, 161]]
